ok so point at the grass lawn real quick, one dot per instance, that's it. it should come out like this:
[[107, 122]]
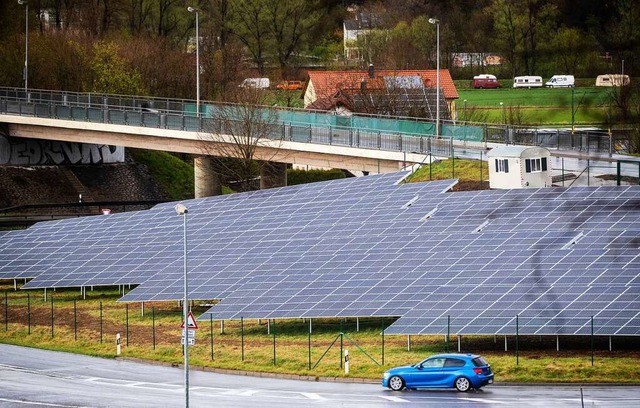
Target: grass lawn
[[540, 106]]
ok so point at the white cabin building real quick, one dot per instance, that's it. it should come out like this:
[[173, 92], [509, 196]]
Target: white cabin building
[[519, 167]]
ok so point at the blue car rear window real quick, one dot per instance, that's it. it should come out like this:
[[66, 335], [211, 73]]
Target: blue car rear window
[[479, 361]]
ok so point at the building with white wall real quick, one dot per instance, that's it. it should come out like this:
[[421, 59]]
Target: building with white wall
[[519, 167]]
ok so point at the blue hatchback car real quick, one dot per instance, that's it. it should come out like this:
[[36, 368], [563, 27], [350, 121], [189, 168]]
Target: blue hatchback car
[[459, 371]]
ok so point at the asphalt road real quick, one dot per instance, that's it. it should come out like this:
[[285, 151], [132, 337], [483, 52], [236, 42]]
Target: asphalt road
[[38, 378]]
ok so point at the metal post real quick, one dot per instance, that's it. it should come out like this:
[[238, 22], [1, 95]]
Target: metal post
[[480, 167], [26, 47], [75, 320], [6, 311], [211, 334], [437, 23], [242, 337], [101, 321], [51, 316], [517, 332], [341, 343], [28, 313], [448, 331], [126, 325], [274, 341], [309, 344], [592, 352], [182, 210], [382, 341], [196, 11], [153, 326]]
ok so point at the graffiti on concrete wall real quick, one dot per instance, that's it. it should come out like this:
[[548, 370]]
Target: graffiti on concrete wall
[[17, 151]]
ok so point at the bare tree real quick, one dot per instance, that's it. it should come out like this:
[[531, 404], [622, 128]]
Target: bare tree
[[242, 138]]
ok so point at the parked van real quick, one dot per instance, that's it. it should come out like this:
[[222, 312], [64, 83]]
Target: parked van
[[612, 80], [485, 81], [561, 81], [257, 83], [527, 81]]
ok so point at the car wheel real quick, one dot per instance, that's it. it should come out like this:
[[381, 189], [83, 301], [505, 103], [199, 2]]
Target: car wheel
[[396, 383], [462, 384]]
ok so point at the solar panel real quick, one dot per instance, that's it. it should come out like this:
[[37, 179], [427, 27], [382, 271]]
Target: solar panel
[[368, 246]]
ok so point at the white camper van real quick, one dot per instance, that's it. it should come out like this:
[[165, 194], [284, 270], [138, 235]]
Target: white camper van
[[527, 81], [612, 80], [561, 81]]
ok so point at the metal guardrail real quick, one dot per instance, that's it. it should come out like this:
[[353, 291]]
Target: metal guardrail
[[178, 114]]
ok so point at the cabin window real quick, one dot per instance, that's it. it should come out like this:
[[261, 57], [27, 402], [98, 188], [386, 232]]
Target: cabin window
[[502, 165], [535, 165]]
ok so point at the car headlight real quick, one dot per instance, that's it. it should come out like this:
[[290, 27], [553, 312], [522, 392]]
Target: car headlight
[[386, 374]]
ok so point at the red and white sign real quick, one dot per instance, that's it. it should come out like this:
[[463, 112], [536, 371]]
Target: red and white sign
[[191, 322]]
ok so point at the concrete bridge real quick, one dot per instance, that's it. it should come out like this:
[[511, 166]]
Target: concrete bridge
[[171, 125]]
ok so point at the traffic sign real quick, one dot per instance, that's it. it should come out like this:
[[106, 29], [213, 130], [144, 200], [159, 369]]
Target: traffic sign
[[190, 333], [191, 341], [191, 322]]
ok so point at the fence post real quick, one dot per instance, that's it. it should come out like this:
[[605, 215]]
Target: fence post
[[448, 330], [309, 343], [241, 338], [126, 324], [153, 327], [75, 321], [101, 321], [517, 333], [480, 167], [28, 313], [341, 343], [382, 323], [52, 316], [211, 333], [274, 341], [592, 352], [6, 310]]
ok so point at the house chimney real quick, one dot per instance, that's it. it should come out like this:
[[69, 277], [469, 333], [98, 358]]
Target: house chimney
[[371, 71]]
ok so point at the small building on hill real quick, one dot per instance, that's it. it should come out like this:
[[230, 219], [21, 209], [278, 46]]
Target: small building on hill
[[519, 167]]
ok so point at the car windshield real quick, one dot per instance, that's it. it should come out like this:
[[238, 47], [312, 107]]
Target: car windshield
[[479, 361]]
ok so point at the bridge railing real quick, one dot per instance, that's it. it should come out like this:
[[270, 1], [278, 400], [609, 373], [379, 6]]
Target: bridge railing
[[170, 114]]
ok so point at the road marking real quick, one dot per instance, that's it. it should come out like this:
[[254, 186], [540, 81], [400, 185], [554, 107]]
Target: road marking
[[248, 393], [486, 401], [46, 404], [393, 399], [313, 396]]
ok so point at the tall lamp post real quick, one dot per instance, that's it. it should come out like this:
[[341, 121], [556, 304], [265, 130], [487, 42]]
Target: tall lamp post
[[437, 23], [25, 71], [181, 209], [195, 10]]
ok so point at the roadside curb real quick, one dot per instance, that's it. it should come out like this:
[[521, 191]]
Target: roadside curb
[[245, 373], [353, 380]]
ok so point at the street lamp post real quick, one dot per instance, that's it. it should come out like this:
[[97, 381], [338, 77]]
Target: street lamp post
[[25, 71], [181, 209], [437, 23], [195, 10]]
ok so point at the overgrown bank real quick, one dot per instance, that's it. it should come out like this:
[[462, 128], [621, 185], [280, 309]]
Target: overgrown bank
[[67, 322]]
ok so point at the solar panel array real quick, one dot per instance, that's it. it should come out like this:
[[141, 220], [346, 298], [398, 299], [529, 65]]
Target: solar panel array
[[370, 246]]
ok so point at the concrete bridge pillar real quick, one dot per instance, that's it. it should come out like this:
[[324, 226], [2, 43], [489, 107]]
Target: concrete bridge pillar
[[207, 182], [273, 174]]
